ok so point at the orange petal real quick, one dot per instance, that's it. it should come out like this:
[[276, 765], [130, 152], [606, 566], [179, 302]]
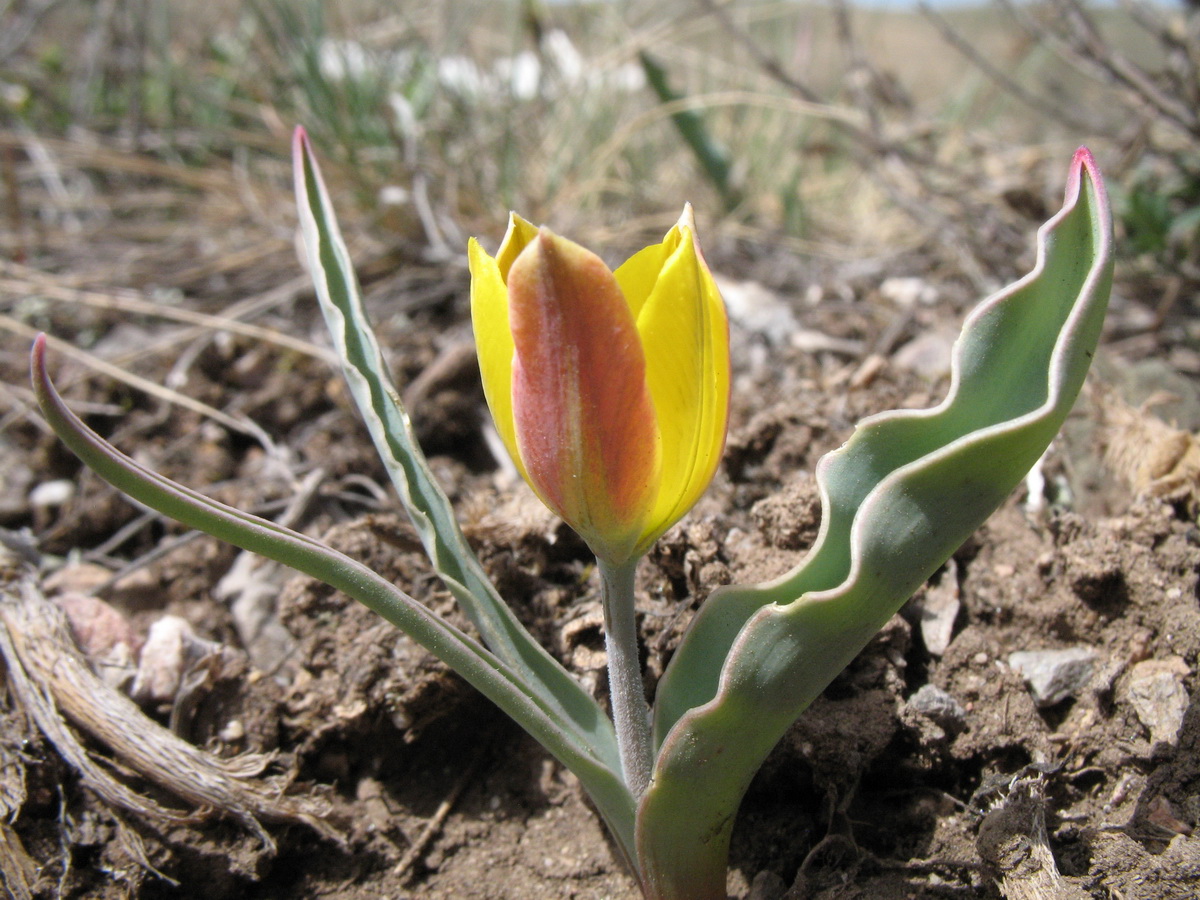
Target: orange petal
[[584, 419]]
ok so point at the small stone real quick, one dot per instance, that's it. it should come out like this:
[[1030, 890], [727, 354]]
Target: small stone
[[393, 195], [401, 719], [938, 608], [758, 309], [767, 886], [160, 668], [1055, 675], [104, 634], [170, 648], [907, 293], [1156, 692], [928, 354], [936, 704], [1162, 814], [51, 494]]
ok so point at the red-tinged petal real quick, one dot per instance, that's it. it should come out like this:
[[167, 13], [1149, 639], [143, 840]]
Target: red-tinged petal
[[584, 418]]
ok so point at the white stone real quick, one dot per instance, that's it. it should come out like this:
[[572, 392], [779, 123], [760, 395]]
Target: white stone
[[1055, 675]]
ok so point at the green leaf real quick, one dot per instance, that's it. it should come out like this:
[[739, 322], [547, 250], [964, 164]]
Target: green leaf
[[426, 504], [423, 499], [713, 158], [481, 668], [898, 498]]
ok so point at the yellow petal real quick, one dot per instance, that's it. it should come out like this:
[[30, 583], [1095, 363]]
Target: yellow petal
[[638, 274], [685, 336], [516, 239], [584, 418], [493, 342]]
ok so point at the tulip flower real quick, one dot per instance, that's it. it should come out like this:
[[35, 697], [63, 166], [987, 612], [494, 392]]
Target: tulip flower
[[609, 389], [611, 392]]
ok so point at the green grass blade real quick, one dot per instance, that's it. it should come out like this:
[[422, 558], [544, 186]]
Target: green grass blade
[[713, 158], [898, 498], [423, 499]]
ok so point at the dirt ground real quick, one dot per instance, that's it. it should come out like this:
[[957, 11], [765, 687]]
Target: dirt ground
[[932, 767]]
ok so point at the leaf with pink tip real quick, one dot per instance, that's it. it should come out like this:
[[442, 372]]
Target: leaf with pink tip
[[898, 498]]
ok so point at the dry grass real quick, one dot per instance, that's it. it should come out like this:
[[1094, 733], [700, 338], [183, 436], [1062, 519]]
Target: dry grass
[[202, 80], [144, 144]]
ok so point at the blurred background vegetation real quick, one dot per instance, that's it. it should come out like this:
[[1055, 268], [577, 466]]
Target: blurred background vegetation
[[816, 130]]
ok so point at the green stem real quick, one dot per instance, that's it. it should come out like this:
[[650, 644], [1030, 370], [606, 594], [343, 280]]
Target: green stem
[[631, 713]]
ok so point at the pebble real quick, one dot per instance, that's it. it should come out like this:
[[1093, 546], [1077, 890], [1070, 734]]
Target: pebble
[[908, 292], [171, 646], [1055, 675], [162, 661], [104, 634], [936, 704], [1156, 692], [758, 309], [1161, 813], [50, 494], [938, 608], [928, 354]]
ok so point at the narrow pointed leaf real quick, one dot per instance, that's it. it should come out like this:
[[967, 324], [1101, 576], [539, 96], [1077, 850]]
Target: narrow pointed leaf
[[898, 498], [426, 504], [481, 668]]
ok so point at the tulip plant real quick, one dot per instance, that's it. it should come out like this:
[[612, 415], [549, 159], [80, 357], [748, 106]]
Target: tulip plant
[[610, 390]]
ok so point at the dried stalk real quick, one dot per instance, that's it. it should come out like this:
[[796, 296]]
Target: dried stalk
[[52, 681]]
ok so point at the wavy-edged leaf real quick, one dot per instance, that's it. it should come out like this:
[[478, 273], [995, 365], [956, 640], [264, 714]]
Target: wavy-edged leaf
[[897, 499], [427, 505], [477, 665]]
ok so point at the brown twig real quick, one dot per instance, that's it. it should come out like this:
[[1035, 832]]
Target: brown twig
[[21, 281], [959, 41], [240, 425], [435, 823], [49, 676]]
